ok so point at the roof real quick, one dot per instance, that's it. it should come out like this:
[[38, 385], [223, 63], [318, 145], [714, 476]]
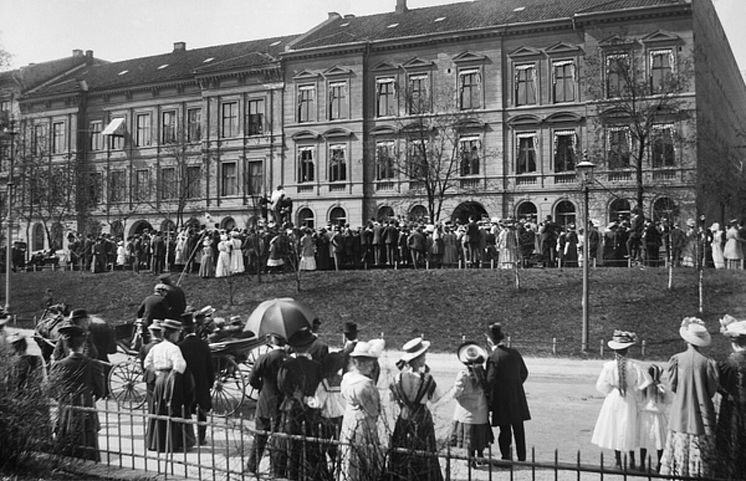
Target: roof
[[33, 75], [457, 17], [172, 67]]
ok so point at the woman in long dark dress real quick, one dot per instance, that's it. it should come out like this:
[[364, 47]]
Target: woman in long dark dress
[[414, 431], [730, 435], [76, 382]]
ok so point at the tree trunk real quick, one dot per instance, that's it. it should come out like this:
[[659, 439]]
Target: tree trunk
[[639, 177]]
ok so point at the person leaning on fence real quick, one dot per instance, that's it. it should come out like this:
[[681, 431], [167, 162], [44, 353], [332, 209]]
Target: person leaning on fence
[[298, 378], [198, 358], [471, 424], [620, 381], [169, 399], [414, 430], [506, 373], [76, 382], [263, 378]]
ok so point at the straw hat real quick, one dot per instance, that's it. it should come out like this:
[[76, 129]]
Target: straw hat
[[622, 340], [694, 332], [471, 353], [172, 324], [155, 325], [414, 348], [369, 349], [732, 327]]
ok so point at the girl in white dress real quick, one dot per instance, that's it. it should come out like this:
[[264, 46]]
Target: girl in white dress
[[733, 252], [179, 255], [653, 416], [223, 265], [718, 240], [621, 381], [237, 264]]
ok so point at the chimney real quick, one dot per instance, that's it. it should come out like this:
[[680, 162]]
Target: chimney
[[349, 16], [89, 53], [179, 47], [334, 15], [77, 53], [401, 6]]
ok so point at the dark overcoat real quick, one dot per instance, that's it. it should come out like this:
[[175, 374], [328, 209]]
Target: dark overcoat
[[506, 373], [198, 358], [263, 378]]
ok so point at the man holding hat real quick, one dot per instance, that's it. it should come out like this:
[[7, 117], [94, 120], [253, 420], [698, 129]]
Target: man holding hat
[[506, 373], [198, 358]]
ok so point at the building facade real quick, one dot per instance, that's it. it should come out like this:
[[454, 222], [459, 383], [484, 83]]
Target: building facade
[[350, 118]]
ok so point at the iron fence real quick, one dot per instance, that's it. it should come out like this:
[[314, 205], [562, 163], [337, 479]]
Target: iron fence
[[224, 456]]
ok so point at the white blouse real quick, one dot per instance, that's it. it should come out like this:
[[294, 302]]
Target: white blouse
[[163, 356]]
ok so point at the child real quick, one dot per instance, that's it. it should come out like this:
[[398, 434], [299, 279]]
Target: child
[[653, 416], [471, 428]]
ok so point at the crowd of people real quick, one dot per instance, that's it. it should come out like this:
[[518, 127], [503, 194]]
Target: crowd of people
[[670, 412]]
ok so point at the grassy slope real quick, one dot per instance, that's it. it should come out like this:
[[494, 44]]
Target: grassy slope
[[442, 304]]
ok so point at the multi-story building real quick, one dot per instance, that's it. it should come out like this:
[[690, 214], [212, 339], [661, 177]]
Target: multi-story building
[[335, 115]]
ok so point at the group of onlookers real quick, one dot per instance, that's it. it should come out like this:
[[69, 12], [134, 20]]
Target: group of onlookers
[[671, 412]]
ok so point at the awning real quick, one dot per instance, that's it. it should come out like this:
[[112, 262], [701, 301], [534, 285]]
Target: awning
[[115, 127]]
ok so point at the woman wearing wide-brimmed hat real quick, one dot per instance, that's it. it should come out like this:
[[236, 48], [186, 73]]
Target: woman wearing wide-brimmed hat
[[620, 380], [694, 382], [471, 424], [360, 454], [412, 389], [730, 437]]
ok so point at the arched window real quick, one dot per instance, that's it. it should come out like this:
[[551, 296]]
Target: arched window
[[117, 229], [385, 213], [619, 208], [306, 218], [527, 211], [665, 207], [564, 213], [56, 233], [337, 216], [37, 238], [168, 226], [228, 223], [192, 222], [418, 213]]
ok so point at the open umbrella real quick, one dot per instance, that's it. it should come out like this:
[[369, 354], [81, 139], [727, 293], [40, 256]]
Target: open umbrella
[[283, 316]]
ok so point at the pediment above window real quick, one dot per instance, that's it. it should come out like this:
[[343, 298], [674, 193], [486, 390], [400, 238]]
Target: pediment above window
[[305, 75], [337, 71], [416, 127], [470, 124], [384, 67], [524, 119], [564, 118], [617, 41], [469, 57], [383, 130], [337, 133], [417, 62], [661, 37], [305, 135], [525, 52], [561, 48]]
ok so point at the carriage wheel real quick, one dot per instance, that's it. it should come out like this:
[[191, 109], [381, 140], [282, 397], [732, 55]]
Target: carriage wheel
[[229, 387], [127, 384], [248, 365]]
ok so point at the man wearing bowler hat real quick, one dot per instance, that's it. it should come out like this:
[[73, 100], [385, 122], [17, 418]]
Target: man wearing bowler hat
[[506, 373], [79, 318]]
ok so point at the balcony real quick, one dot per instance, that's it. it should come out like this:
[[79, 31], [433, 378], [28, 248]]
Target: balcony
[[385, 185], [570, 178], [416, 185], [620, 176], [470, 183], [525, 180], [338, 187], [305, 189], [667, 174]]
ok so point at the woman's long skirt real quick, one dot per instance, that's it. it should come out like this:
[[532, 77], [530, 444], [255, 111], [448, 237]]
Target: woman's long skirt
[[168, 400], [415, 435]]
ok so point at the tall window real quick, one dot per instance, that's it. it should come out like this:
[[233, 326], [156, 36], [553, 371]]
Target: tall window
[[94, 129], [142, 130], [417, 159], [526, 160], [618, 147], [116, 141], [142, 184], [5, 106], [229, 120], [470, 89], [255, 181], [39, 140], [307, 103], [564, 151], [194, 125], [193, 189], [337, 163], [384, 160], [228, 179], [564, 213], [168, 183], [95, 187], [662, 146], [563, 78], [469, 156], [306, 165], [525, 84], [338, 100], [385, 97], [661, 68], [58, 137], [117, 186], [168, 127], [256, 117], [617, 74], [337, 216], [418, 98]]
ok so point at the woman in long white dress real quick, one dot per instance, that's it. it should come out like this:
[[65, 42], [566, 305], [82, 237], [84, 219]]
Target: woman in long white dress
[[733, 252], [718, 238], [179, 251], [360, 454], [223, 265], [508, 246], [621, 381], [237, 264], [307, 251]]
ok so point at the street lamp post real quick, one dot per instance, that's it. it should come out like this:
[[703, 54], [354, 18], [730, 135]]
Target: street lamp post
[[585, 174], [8, 132]]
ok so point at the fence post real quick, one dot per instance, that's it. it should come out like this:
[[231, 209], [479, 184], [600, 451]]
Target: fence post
[[601, 348], [642, 348], [554, 346]]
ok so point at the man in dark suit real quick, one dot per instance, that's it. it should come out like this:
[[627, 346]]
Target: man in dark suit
[[153, 307], [198, 358], [158, 245], [377, 242], [506, 373], [263, 378], [175, 297], [547, 241]]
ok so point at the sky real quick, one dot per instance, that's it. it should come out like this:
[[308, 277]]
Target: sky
[[39, 30]]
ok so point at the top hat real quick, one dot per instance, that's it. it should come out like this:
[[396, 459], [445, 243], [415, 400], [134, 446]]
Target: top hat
[[302, 338], [349, 328], [76, 314], [694, 331], [622, 340], [496, 332], [414, 349], [471, 353]]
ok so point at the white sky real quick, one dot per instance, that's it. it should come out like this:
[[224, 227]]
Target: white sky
[[39, 30]]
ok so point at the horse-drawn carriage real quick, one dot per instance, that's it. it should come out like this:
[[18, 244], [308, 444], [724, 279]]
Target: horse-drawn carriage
[[233, 360]]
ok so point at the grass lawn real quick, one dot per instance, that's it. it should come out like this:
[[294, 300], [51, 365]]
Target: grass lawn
[[444, 305]]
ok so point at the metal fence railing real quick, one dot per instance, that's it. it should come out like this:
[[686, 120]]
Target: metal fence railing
[[229, 441]]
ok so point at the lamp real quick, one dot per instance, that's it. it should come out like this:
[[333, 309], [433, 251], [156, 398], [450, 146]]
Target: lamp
[[585, 177]]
